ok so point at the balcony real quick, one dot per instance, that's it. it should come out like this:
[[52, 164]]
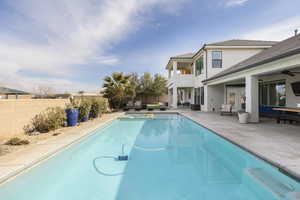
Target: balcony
[[182, 80]]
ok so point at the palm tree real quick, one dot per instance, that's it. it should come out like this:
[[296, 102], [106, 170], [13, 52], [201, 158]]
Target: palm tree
[[118, 89]]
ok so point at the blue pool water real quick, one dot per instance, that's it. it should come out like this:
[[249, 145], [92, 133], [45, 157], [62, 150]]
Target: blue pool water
[[170, 158]]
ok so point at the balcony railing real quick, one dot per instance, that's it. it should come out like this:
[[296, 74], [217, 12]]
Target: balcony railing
[[182, 80]]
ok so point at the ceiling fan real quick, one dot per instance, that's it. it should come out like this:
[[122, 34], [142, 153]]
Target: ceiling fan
[[290, 73]]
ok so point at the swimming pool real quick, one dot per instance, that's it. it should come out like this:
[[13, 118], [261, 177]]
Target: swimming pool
[[170, 158]]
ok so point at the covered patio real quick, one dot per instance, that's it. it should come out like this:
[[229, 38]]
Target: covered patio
[[275, 143], [270, 79], [257, 94]]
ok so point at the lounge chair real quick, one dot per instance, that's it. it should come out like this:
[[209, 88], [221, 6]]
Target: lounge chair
[[151, 107], [226, 109], [128, 106], [138, 106], [163, 107]]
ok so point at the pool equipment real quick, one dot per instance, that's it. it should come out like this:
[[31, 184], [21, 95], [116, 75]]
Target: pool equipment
[[122, 157]]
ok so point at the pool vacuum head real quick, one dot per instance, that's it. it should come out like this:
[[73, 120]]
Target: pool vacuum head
[[122, 158]]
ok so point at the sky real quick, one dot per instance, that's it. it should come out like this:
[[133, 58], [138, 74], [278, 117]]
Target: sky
[[71, 45]]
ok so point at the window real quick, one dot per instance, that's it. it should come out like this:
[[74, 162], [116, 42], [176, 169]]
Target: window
[[273, 93], [217, 59], [264, 94], [199, 66], [202, 95]]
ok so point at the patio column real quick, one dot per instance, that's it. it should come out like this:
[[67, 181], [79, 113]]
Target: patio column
[[193, 96], [174, 68], [174, 97], [252, 98]]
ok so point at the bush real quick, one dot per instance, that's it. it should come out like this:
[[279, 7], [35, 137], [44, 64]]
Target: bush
[[51, 119], [98, 106], [17, 141], [72, 104], [84, 109]]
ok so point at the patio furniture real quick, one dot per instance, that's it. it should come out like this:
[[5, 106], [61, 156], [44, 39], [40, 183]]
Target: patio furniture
[[151, 107], [163, 108], [268, 111], [195, 107], [186, 104], [226, 109], [243, 117], [288, 114], [128, 106], [138, 106]]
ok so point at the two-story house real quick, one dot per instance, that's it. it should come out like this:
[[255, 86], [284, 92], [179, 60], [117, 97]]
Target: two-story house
[[188, 71], [254, 76]]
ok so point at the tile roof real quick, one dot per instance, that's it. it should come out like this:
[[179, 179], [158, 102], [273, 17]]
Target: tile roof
[[186, 55], [243, 43]]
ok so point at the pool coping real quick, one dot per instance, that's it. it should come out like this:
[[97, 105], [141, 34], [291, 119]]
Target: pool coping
[[85, 134], [282, 169]]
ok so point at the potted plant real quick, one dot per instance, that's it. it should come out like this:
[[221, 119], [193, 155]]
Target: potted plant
[[84, 110], [72, 112], [243, 117]]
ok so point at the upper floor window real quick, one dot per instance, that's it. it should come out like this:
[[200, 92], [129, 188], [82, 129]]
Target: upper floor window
[[217, 59], [199, 66]]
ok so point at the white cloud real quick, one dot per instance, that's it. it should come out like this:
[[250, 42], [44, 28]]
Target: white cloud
[[278, 31], [231, 3], [107, 60], [68, 32]]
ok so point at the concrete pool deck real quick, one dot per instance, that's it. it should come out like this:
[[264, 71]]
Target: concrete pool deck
[[278, 144], [16, 162]]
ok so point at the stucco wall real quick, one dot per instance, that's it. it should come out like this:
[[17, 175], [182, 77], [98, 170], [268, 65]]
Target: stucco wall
[[213, 97], [14, 114], [230, 57]]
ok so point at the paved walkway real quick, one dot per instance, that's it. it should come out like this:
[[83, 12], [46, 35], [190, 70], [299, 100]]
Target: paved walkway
[[15, 162], [276, 143]]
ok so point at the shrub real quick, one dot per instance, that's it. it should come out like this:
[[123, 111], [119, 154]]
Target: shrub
[[98, 106], [17, 141], [51, 119], [73, 104], [84, 109]]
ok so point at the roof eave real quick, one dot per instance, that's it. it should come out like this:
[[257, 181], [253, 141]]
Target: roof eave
[[291, 53]]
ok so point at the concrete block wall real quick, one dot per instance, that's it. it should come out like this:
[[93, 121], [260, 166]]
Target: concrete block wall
[[16, 113]]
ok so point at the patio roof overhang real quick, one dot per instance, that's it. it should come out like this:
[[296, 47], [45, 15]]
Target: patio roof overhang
[[273, 67]]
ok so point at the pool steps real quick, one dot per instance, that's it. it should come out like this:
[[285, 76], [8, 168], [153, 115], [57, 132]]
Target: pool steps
[[272, 184]]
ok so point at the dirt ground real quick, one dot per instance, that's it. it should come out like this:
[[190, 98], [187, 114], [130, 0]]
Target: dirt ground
[[5, 149]]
